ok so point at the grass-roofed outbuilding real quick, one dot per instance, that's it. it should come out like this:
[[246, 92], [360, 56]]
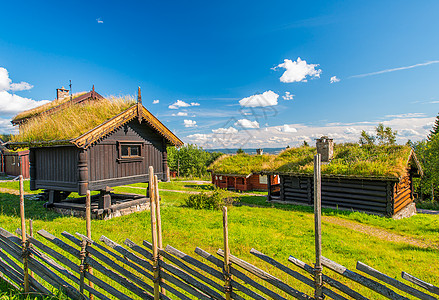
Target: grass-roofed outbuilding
[[94, 146], [371, 178]]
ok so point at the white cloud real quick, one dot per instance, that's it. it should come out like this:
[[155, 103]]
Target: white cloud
[[230, 130], [190, 123], [408, 132], [180, 114], [99, 21], [288, 96], [268, 98], [297, 71], [334, 79], [408, 115], [414, 129], [287, 128], [396, 69], [11, 103], [244, 123], [180, 103], [156, 101], [7, 85], [351, 130]]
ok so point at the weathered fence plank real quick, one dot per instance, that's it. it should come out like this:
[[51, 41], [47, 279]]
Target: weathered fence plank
[[369, 283], [267, 277], [39, 269], [332, 282], [241, 276], [121, 270], [59, 257], [66, 247], [295, 274], [184, 286], [429, 287], [393, 282], [189, 270], [127, 254]]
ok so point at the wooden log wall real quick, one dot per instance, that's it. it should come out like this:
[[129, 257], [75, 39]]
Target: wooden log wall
[[403, 193], [375, 196]]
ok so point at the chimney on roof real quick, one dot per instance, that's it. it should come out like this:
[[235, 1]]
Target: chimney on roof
[[61, 93], [325, 147], [259, 151]]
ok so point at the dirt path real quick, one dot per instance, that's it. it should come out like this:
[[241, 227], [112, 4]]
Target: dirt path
[[381, 233], [9, 191]]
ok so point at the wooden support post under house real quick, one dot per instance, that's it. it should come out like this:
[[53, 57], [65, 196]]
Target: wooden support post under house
[[155, 251], [24, 241], [318, 293], [88, 232], [227, 275], [159, 225], [105, 198]]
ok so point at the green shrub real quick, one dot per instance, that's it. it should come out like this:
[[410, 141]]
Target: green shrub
[[213, 200]]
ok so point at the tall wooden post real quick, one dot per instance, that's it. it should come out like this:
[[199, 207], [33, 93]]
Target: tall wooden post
[[155, 250], [227, 276], [159, 224], [31, 234], [23, 236], [88, 232], [318, 294]]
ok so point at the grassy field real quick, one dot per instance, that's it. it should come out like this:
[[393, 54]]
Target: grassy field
[[276, 230]]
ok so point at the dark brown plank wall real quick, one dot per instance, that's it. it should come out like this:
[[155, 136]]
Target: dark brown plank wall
[[104, 160], [56, 164], [356, 194]]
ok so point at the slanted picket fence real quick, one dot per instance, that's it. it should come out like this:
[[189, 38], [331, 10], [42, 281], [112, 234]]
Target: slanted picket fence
[[84, 269]]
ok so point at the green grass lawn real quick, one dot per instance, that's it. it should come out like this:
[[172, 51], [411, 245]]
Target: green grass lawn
[[276, 230]]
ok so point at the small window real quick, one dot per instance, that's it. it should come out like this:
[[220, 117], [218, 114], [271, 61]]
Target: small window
[[129, 151], [263, 179]]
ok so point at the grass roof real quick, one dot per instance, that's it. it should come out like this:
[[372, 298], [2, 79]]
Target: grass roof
[[72, 121], [349, 160], [45, 107]]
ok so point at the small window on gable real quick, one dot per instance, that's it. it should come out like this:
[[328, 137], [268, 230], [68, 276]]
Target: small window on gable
[[129, 151]]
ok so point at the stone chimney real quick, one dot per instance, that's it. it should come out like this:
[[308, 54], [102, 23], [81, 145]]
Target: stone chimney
[[325, 146], [259, 151], [61, 93]]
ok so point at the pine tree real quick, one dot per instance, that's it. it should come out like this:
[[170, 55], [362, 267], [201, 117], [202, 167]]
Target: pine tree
[[435, 129]]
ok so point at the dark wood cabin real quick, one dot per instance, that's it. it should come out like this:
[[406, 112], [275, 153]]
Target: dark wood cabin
[[381, 195], [252, 181], [117, 152], [14, 163]]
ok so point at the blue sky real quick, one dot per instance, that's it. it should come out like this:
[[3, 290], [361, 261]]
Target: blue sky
[[223, 55]]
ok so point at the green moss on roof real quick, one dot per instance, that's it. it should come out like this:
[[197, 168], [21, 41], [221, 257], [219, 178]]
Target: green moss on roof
[[72, 121], [45, 107], [349, 160], [240, 164]]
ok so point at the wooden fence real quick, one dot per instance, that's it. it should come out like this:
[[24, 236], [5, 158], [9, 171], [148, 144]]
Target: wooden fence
[[84, 269]]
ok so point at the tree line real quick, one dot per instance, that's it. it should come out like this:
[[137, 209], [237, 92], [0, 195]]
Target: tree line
[[190, 160]]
